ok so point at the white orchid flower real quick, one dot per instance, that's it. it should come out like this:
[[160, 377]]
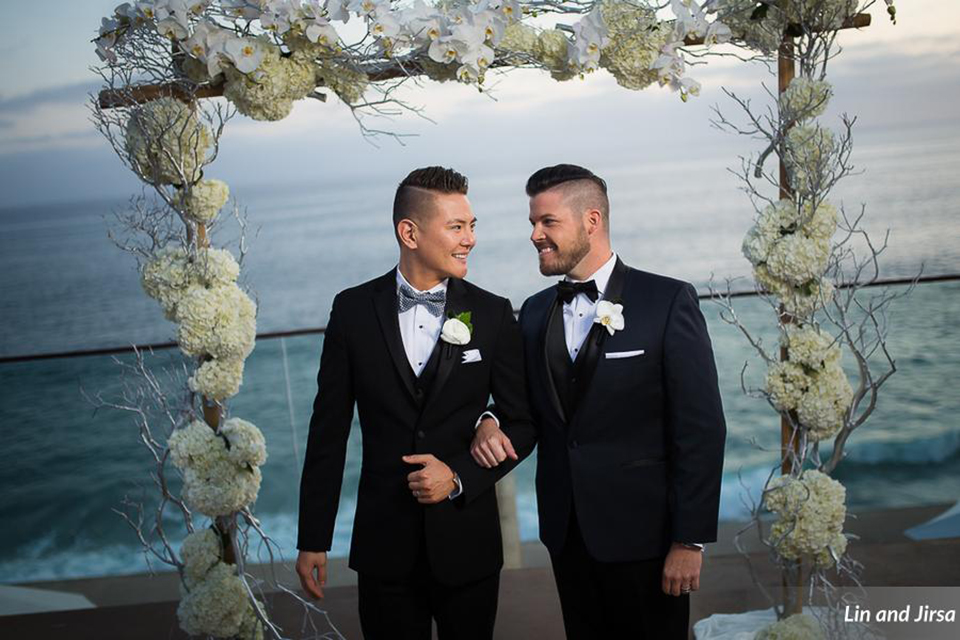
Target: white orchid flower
[[443, 50], [610, 316], [479, 58], [147, 10], [337, 10], [467, 74], [241, 8], [384, 26], [511, 10], [245, 54], [486, 5], [322, 32], [717, 33], [170, 28]]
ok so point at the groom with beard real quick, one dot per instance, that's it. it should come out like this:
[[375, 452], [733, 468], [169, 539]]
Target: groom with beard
[[419, 351], [623, 389]]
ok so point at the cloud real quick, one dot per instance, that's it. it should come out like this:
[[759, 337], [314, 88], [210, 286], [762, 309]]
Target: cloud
[[74, 94]]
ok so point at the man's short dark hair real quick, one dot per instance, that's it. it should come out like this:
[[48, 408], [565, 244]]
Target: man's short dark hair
[[588, 189], [415, 193]]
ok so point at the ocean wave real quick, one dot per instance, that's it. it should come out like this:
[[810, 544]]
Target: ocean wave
[[933, 449]]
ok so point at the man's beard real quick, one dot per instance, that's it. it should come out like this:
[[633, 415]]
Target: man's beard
[[565, 260]]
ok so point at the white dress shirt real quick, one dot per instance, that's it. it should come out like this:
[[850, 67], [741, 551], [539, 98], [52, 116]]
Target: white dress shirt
[[578, 314], [419, 329], [419, 332]]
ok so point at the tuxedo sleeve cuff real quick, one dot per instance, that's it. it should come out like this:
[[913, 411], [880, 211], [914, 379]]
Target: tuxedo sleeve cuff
[[486, 414], [458, 491]]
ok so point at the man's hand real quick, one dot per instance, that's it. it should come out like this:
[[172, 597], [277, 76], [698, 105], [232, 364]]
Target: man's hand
[[307, 562], [491, 446], [681, 570], [431, 484]]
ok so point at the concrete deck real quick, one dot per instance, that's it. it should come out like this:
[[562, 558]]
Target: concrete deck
[[145, 606]]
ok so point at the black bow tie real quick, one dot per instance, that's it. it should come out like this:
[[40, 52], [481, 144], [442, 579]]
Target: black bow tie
[[567, 290]]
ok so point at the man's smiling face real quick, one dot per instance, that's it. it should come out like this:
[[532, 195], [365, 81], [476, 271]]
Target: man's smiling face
[[446, 236], [559, 234]]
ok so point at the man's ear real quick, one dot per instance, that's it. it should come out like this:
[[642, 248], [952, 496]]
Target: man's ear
[[594, 220], [407, 233]]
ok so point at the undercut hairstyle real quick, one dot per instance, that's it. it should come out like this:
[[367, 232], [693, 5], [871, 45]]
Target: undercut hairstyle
[[582, 189], [414, 197]]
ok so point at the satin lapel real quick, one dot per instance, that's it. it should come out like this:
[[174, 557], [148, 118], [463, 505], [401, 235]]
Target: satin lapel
[[545, 359], [385, 301], [598, 335], [456, 304]]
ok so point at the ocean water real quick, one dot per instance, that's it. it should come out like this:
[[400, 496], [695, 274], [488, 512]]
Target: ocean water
[[65, 466]]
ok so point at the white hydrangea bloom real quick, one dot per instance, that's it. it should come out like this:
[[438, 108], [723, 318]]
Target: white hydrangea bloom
[[809, 152], [786, 383], [799, 626], [821, 15], [268, 93], [247, 444], [781, 219], [552, 48], [203, 200], [797, 259], [195, 445], [166, 142], [251, 628], [222, 487], [809, 347], [805, 98], [811, 382], [219, 321], [213, 483], [172, 270], [165, 278], [218, 379], [348, 83], [810, 515], [216, 606], [799, 301], [636, 37], [519, 38], [763, 34], [823, 406], [200, 552]]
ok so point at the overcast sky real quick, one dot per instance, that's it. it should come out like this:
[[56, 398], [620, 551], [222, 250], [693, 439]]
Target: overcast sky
[[896, 79]]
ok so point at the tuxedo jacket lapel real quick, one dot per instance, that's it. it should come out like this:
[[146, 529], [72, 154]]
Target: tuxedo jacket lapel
[[449, 354], [385, 301], [549, 318], [586, 365]]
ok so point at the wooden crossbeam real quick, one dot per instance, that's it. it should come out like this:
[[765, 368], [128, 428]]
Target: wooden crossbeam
[[113, 98]]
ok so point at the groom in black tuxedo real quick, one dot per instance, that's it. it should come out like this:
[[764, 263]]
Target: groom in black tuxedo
[[623, 388], [419, 351]]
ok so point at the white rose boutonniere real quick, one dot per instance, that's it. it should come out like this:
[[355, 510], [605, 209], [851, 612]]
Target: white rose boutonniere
[[457, 329], [610, 316]]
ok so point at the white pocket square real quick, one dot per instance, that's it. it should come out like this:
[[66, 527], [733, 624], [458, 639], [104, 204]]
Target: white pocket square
[[613, 355], [472, 355]]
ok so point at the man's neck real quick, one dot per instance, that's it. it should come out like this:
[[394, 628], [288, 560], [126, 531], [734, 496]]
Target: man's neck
[[421, 279], [590, 264]]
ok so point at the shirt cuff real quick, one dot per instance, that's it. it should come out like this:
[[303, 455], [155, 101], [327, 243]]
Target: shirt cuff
[[456, 493], [486, 414], [697, 545]]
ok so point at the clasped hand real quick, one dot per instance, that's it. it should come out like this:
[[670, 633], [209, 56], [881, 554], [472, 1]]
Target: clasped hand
[[433, 482], [491, 446]]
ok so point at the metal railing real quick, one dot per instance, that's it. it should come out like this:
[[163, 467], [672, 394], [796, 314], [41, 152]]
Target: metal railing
[[268, 335]]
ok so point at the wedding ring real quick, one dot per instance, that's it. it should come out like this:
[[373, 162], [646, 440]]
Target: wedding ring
[[684, 589], [416, 494]]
